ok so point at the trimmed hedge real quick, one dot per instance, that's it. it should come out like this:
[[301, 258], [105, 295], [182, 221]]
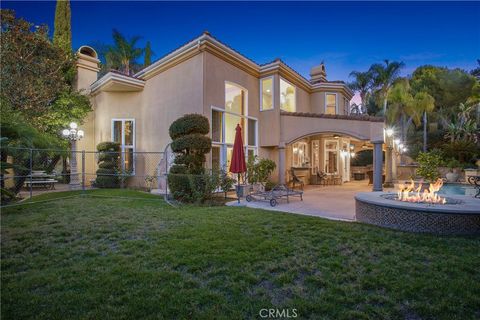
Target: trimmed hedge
[[195, 141], [108, 161], [187, 179], [188, 124]]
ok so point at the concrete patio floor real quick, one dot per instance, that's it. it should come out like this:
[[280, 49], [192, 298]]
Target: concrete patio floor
[[332, 202]]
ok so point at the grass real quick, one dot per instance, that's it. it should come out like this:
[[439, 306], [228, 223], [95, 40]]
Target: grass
[[116, 258]]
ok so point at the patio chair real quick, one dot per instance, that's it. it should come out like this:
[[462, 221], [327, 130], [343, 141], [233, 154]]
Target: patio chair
[[295, 180], [321, 178]]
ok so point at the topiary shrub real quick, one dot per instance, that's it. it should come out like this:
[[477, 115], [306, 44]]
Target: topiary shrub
[[187, 179], [108, 160]]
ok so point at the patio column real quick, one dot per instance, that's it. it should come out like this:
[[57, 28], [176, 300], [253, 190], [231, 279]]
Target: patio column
[[388, 164], [377, 165], [281, 163]]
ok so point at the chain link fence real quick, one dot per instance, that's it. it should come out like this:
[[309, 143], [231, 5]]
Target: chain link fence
[[26, 173]]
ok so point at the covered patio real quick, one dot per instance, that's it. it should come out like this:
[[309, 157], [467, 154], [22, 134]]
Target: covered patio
[[313, 143]]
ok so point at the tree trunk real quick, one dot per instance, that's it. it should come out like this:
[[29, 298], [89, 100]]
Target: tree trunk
[[425, 131], [385, 106]]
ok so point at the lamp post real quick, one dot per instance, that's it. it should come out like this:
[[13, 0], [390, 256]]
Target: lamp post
[[73, 134], [388, 158]]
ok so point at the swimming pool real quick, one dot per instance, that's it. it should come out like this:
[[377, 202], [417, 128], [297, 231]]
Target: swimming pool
[[458, 189]]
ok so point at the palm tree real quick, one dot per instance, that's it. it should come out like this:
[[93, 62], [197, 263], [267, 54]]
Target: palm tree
[[424, 104], [123, 53], [402, 109], [384, 75], [362, 83]]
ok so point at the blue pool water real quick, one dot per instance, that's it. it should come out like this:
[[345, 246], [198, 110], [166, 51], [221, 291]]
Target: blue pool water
[[457, 189]]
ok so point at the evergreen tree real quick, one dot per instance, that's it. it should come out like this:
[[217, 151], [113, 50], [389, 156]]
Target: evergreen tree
[[62, 35]]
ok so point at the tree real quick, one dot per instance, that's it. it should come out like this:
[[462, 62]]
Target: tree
[[449, 88], [62, 35], [362, 84], [383, 78], [424, 103], [36, 77], [476, 72], [148, 55], [123, 54], [32, 68], [402, 108]]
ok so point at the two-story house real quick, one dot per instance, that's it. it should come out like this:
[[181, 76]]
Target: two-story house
[[302, 124]]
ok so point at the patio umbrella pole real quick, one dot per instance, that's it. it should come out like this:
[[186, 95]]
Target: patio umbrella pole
[[238, 187]]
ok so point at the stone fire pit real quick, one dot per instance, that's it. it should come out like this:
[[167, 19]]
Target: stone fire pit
[[460, 215]]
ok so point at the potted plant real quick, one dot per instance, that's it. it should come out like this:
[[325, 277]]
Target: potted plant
[[258, 172], [453, 164]]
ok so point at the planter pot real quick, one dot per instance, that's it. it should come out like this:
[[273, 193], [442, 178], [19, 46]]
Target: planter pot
[[452, 176], [470, 173], [243, 189]]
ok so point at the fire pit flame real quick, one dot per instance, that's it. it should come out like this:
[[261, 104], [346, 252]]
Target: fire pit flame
[[408, 193]]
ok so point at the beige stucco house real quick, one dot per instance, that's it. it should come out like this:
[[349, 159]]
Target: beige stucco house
[[302, 124]]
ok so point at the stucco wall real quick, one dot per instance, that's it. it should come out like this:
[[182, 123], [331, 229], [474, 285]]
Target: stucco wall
[[317, 101], [296, 127]]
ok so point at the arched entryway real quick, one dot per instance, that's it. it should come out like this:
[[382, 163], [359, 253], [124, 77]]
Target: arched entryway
[[311, 143], [325, 158]]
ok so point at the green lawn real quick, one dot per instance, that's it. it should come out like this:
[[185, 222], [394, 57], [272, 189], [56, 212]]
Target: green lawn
[[109, 258]]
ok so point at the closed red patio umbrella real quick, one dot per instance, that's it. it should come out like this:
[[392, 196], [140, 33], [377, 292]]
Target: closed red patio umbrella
[[237, 164]]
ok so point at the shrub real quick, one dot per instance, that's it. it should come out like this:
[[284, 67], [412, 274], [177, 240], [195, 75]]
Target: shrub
[[259, 170], [108, 160], [189, 124], [187, 179], [428, 165]]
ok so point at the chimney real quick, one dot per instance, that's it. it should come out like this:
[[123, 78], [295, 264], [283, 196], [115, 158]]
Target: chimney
[[318, 74], [87, 67]]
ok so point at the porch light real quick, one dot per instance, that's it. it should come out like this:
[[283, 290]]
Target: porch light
[[352, 154], [389, 132], [336, 136]]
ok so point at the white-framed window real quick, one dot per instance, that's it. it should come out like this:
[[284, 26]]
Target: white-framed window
[[331, 103], [123, 132], [300, 157], [223, 124], [330, 158], [266, 94], [288, 96]]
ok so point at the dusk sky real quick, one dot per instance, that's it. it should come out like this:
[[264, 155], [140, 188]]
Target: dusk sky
[[346, 35]]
